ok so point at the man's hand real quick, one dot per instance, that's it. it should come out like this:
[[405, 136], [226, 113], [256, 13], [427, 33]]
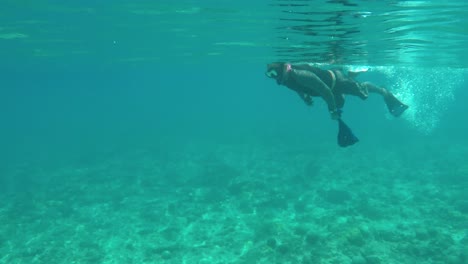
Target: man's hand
[[308, 100], [335, 114]]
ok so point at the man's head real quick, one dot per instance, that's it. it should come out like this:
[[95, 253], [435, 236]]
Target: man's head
[[275, 71]]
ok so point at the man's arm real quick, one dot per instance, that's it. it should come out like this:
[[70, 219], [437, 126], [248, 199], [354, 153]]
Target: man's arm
[[310, 81], [306, 98]]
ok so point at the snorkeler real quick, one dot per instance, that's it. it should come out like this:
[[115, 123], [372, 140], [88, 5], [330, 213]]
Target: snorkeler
[[332, 85]]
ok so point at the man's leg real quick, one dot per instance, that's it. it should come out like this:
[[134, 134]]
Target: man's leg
[[354, 88], [395, 106], [371, 88], [315, 85], [346, 85]]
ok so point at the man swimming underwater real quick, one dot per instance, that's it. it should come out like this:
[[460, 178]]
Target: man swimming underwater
[[332, 85]]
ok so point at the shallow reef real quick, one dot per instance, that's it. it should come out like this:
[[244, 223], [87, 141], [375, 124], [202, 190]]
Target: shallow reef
[[240, 204]]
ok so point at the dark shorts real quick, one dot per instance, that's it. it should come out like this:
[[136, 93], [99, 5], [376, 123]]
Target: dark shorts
[[346, 85]]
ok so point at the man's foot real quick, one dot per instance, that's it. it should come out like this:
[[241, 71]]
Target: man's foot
[[353, 73], [394, 105]]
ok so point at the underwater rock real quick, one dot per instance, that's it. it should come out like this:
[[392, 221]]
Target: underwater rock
[[358, 260], [421, 234], [373, 259], [301, 230], [215, 172], [441, 242], [335, 196], [312, 238], [312, 169], [283, 249], [389, 235], [271, 243], [462, 206], [369, 209], [205, 261], [300, 205], [166, 254], [355, 237]]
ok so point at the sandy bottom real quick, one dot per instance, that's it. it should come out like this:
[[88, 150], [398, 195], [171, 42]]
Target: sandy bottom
[[247, 203]]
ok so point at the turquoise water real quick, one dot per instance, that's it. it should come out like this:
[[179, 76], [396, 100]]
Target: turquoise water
[[148, 133]]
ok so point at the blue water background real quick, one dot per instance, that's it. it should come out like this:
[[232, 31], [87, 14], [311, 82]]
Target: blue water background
[[135, 133], [52, 113]]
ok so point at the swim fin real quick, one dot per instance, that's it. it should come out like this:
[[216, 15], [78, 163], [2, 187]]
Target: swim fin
[[394, 105], [345, 135]]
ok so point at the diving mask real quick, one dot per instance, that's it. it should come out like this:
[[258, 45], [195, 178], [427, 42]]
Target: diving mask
[[271, 73]]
